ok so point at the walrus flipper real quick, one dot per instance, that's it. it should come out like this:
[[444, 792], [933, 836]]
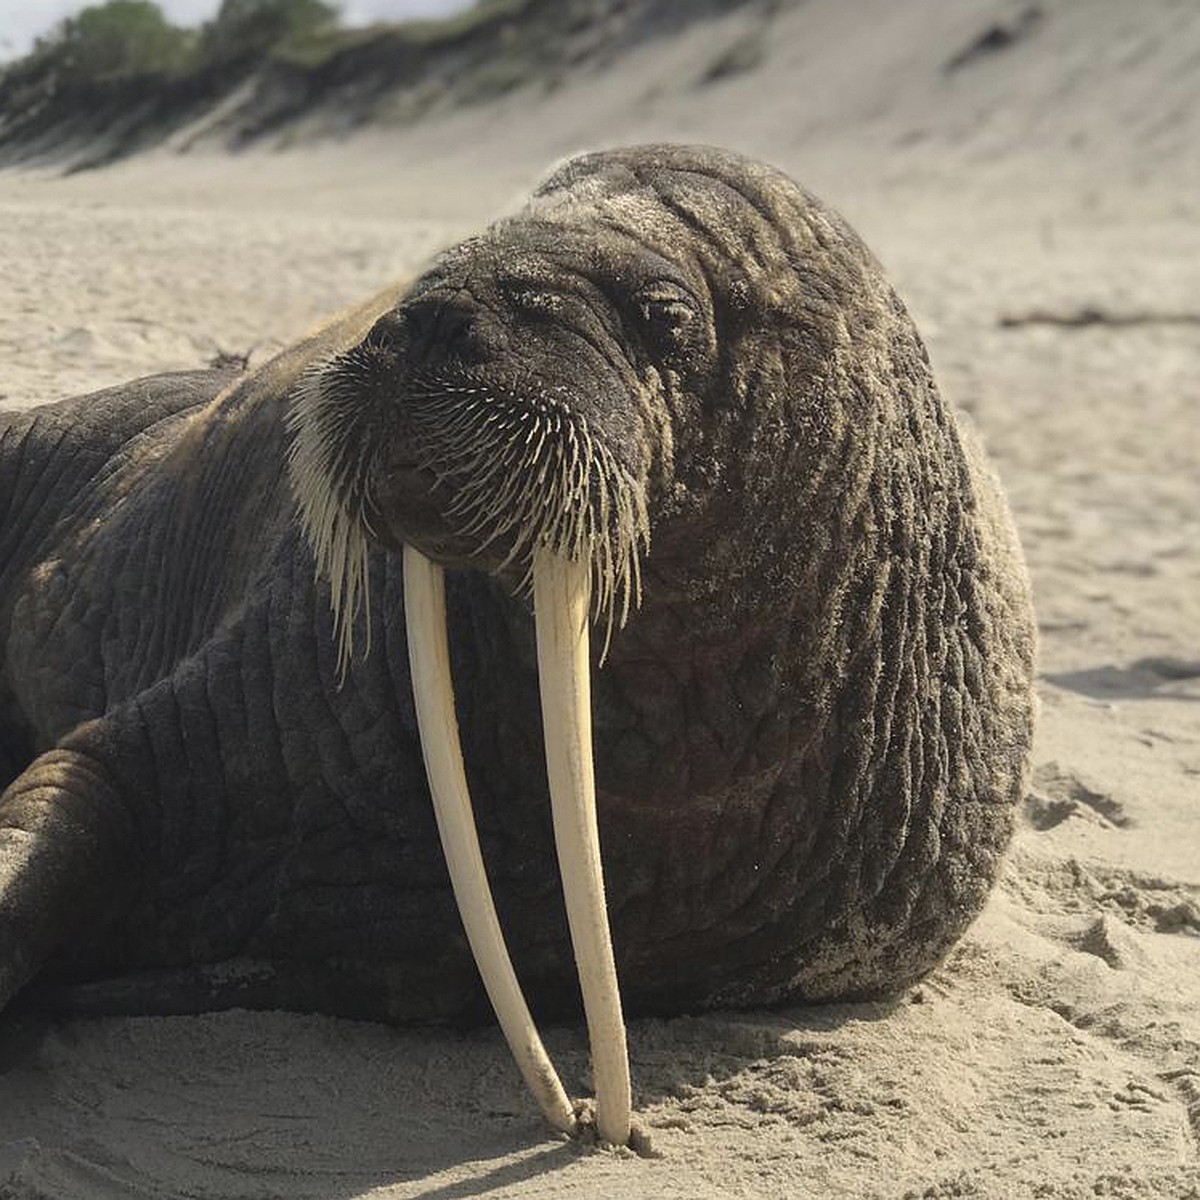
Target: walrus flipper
[[65, 858]]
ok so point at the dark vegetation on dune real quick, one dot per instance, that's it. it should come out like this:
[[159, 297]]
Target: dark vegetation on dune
[[118, 78]]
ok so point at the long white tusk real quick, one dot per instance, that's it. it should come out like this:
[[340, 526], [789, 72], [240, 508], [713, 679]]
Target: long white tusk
[[560, 601], [433, 691]]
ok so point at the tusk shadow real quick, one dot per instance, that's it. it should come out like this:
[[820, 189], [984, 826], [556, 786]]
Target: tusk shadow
[[227, 1105], [506, 1175]]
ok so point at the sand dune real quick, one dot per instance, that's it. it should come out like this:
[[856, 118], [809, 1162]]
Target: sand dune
[[1011, 182]]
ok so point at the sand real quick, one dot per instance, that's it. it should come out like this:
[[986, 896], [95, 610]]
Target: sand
[[1057, 1053]]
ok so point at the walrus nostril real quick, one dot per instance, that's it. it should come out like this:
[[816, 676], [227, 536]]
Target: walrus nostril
[[390, 332], [452, 329]]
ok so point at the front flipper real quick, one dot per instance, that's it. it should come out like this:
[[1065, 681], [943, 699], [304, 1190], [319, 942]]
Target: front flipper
[[67, 861]]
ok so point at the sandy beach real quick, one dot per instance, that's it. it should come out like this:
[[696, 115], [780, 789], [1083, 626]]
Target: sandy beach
[[1038, 207]]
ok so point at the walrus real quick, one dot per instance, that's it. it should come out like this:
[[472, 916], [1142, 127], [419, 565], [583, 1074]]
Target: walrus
[[673, 397]]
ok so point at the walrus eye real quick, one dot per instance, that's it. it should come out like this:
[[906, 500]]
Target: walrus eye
[[670, 321]]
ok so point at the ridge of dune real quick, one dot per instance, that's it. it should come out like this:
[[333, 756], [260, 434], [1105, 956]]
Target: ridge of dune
[[1092, 80]]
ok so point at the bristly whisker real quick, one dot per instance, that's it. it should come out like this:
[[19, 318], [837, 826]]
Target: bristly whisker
[[516, 466], [325, 419], [530, 470]]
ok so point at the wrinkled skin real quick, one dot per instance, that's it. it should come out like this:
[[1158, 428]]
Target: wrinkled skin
[[810, 737]]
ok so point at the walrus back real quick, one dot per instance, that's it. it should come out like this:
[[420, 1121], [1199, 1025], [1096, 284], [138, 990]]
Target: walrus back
[[51, 458], [50, 455]]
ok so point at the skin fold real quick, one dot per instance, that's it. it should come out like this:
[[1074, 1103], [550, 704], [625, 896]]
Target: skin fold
[[814, 713]]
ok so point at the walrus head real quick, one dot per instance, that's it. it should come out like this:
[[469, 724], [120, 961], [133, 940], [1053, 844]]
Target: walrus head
[[532, 387], [650, 348]]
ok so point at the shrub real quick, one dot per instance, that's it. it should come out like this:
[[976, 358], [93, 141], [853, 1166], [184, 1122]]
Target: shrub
[[118, 38], [249, 28]]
